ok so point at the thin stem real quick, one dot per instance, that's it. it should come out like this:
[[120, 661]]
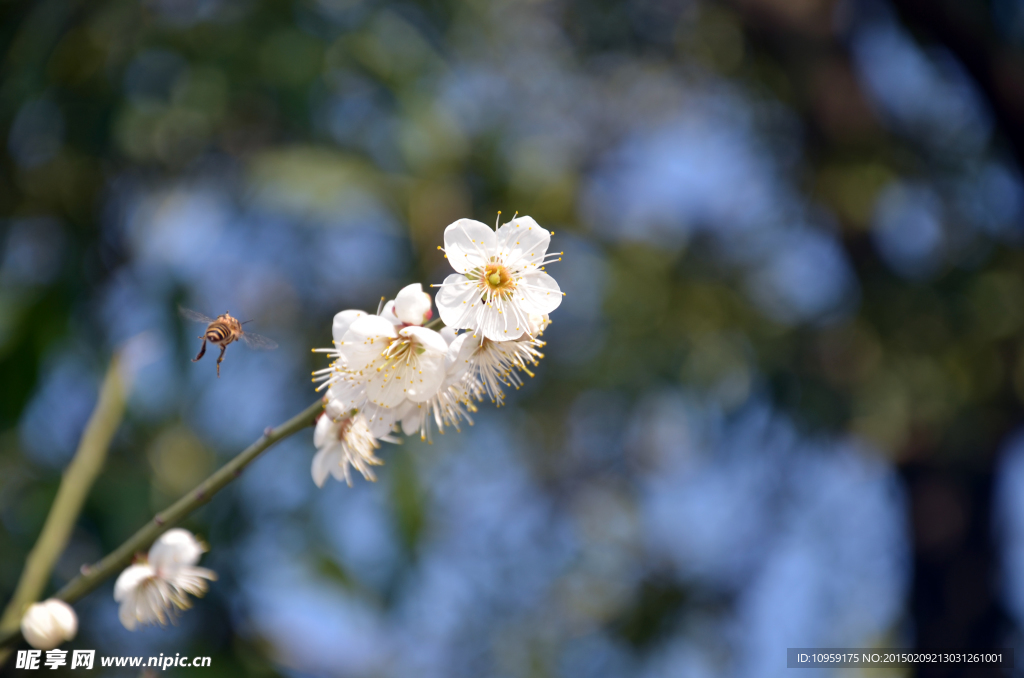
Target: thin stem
[[79, 477], [93, 575]]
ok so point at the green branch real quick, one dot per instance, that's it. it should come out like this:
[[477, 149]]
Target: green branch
[[93, 575], [74, 488]]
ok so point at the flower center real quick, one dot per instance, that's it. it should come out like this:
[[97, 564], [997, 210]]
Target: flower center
[[496, 277], [398, 348]]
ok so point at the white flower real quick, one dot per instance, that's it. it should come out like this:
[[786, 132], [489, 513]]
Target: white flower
[[385, 366], [338, 381], [487, 364], [412, 305], [48, 624], [452, 403], [342, 444], [383, 361], [152, 590], [499, 283]]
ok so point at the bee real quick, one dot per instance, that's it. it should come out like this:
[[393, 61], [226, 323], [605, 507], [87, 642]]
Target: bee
[[223, 330]]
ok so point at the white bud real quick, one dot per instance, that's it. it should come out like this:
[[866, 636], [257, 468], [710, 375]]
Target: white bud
[[412, 305], [48, 624]]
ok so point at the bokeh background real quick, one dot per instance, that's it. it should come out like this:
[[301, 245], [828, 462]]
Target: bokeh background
[[782, 399]]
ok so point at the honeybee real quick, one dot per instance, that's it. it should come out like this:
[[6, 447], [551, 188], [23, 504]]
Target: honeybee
[[224, 330]]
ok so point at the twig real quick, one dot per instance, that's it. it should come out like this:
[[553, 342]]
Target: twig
[[74, 487], [93, 575]]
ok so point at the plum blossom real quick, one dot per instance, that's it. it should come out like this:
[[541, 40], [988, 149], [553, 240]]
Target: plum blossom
[[385, 365], [492, 364], [343, 444], [500, 281], [48, 624], [159, 584], [453, 402]]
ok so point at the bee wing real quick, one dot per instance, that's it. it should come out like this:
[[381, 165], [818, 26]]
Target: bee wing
[[258, 342], [196, 316]]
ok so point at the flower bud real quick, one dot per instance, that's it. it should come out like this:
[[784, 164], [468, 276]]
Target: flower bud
[[412, 305], [48, 624]]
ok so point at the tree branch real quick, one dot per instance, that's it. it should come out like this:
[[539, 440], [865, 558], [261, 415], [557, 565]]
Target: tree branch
[[74, 488], [93, 575]]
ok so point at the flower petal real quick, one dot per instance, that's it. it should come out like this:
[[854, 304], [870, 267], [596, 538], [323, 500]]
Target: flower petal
[[64, 617], [130, 579], [126, 613], [385, 388], [416, 375], [380, 420], [426, 338], [38, 628], [538, 293], [366, 338], [48, 624], [191, 581], [412, 417], [174, 549], [342, 321], [468, 244], [502, 320], [430, 372], [523, 243], [458, 301], [344, 396], [323, 460], [323, 432], [455, 364], [341, 473], [448, 333]]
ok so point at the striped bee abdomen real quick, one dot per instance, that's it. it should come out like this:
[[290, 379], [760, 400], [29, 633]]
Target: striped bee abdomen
[[217, 332]]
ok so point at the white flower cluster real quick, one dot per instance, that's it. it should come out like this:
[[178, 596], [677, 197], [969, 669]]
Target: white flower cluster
[[391, 371]]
